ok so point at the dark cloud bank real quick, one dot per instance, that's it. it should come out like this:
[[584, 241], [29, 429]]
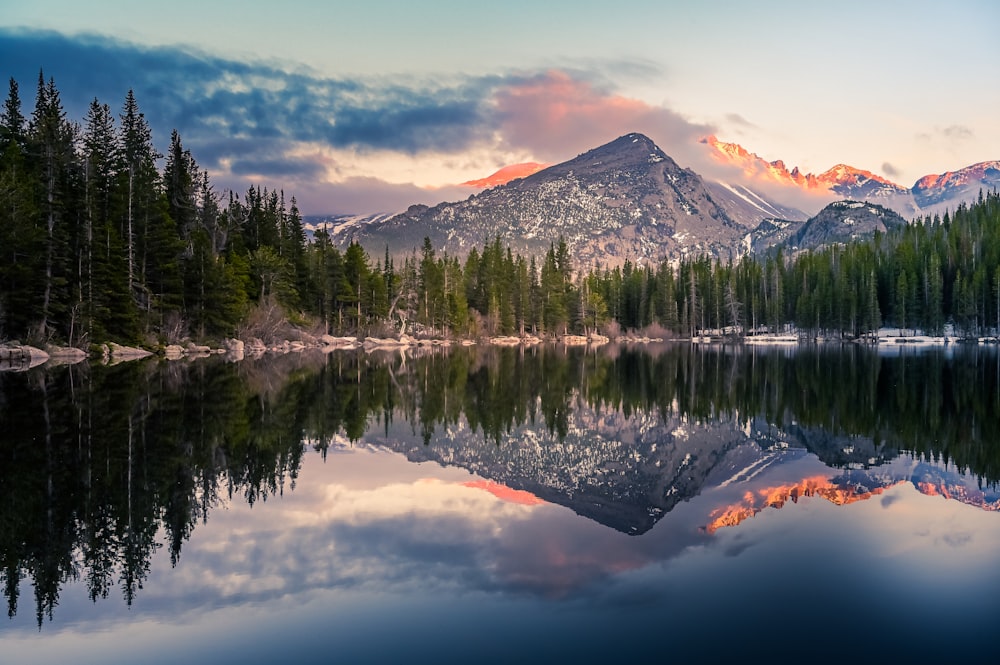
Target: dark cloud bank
[[247, 113], [239, 119]]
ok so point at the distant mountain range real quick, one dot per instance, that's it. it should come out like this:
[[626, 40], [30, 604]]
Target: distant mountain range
[[930, 194], [628, 200]]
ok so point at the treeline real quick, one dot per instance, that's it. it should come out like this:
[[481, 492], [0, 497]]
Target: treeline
[[100, 244], [940, 270]]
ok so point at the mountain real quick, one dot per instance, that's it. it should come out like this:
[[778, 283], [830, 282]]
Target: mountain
[[930, 194], [623, 200], [962, 185], [839, 222], [771, 233]]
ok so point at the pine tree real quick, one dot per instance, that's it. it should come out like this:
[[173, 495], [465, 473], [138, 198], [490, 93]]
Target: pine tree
[[104, 298], [431, 283], [12, 121], [21, 241], [142, 208], [352, 291], [51, 141], [294, 250], [181, 180]]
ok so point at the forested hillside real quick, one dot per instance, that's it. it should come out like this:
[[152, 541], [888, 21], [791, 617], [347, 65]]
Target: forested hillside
[[102, 238]]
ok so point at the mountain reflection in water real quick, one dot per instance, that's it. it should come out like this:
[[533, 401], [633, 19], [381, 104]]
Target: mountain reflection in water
[[104, 466]]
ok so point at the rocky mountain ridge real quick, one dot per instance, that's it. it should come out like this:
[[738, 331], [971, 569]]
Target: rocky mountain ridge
[[927, 195]]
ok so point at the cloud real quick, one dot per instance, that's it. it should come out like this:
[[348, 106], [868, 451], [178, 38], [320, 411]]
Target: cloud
[[890, 170], [206, 95], [737, 119], [949, 134], [957, 133], [244, 116], [363, 195], [957, 539]]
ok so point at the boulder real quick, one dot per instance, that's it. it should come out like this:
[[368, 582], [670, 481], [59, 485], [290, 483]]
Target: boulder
[[173, 352], [117, 351], [66, 352]]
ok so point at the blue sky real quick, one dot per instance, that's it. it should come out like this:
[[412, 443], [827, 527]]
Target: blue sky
[[358, 107]]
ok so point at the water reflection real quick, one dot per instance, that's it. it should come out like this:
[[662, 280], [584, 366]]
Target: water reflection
[[103, 466]]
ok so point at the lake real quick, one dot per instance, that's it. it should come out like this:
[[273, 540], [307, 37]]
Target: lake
[[647, 503]]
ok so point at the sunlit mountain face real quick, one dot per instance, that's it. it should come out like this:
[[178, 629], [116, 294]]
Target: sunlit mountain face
[[505, 493], [506, 174], [841, 179], [930, 194], [848, 489], [757, 499], [964, 183]]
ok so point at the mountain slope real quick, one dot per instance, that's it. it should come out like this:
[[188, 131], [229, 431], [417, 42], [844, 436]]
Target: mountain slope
[[749, 207]]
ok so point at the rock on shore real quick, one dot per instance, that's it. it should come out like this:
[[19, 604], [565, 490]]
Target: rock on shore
[[19, 357]]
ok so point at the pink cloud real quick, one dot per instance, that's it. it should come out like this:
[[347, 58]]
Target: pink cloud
[[557, 117]]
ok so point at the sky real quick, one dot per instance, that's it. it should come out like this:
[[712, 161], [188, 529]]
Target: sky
[[368, 107]]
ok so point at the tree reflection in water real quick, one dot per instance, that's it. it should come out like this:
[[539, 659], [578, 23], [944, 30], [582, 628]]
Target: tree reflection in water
[[100, 466]]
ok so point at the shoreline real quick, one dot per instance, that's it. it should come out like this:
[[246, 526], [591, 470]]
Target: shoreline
[[22, 357]]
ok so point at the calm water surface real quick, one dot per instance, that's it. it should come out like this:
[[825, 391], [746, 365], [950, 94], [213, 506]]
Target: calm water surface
[[650, 504]]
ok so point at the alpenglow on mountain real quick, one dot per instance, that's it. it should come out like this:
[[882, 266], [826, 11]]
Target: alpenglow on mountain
[[623, 200], [929, 195]]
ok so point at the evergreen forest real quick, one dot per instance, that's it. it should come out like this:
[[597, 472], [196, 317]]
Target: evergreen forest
[[103, 238]]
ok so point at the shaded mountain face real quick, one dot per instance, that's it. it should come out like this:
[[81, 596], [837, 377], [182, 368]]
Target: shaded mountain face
[[839, 222], [624, 200], [749, 207]]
